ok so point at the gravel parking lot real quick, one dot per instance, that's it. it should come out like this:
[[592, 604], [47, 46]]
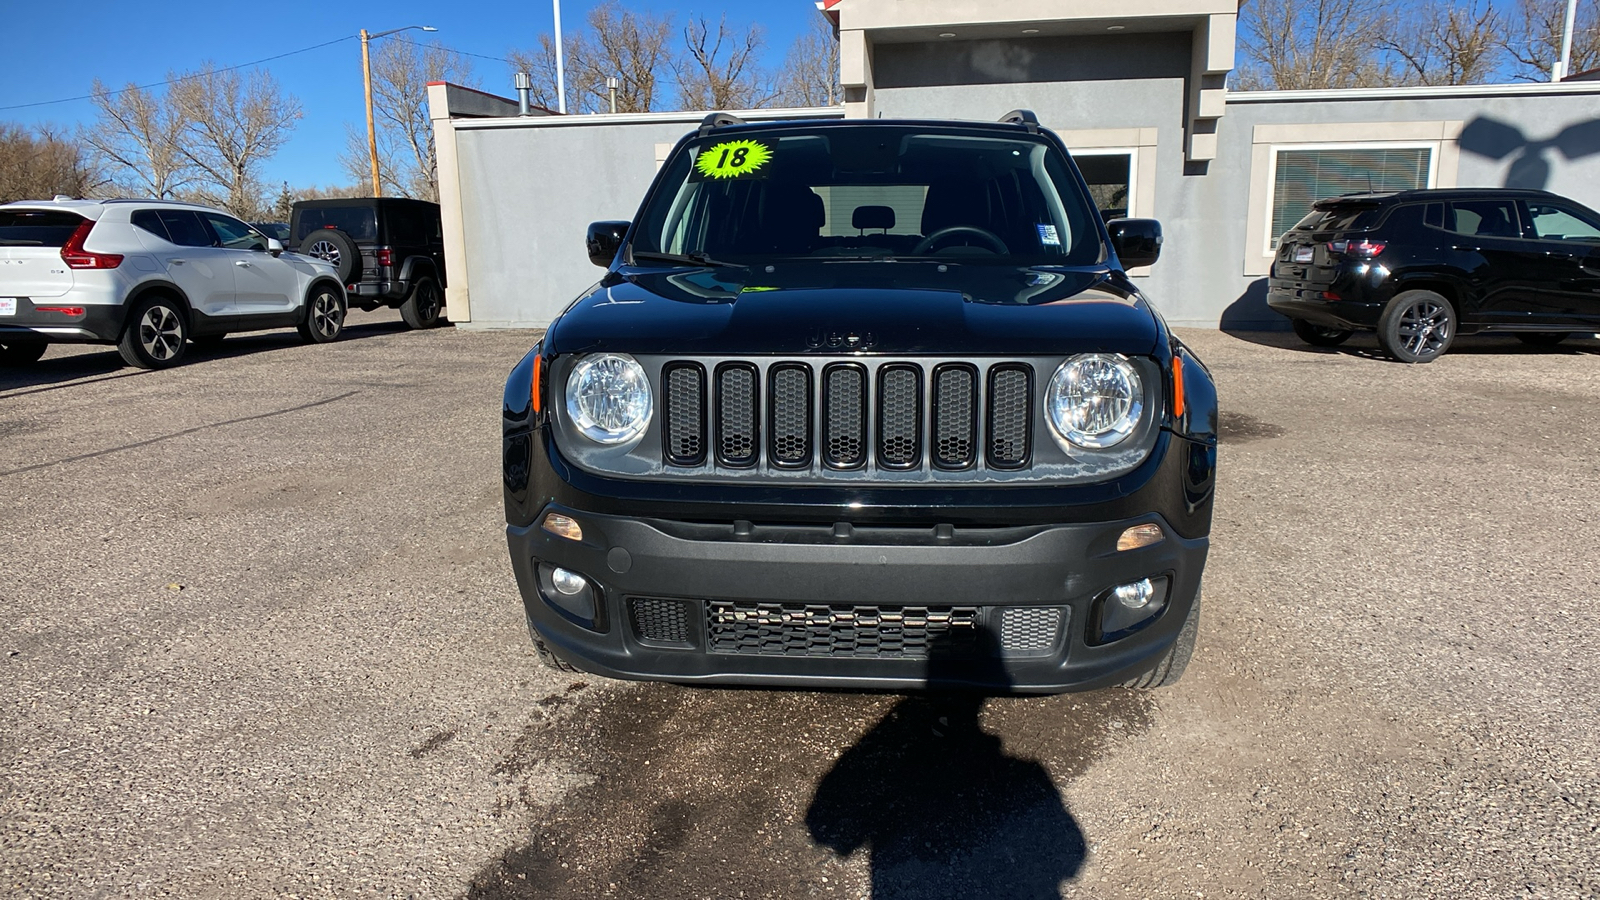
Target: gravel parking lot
[[260, 638]]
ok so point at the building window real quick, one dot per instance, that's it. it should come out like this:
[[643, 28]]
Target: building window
[[1303, 175], [1110, 174]]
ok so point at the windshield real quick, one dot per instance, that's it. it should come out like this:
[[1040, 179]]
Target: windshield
[[869, 192]]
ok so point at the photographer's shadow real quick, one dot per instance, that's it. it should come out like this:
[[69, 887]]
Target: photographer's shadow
[[941, 807]]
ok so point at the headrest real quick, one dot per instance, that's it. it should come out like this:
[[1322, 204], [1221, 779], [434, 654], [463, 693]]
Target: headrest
[[873, 217], [792, 205]]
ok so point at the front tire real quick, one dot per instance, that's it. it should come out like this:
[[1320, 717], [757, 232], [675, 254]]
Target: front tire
[[156, 334], [324, 317], [1171, 668], [1542, 338], [422, 308], [1320, 335], [22, 353], [1417, 326]]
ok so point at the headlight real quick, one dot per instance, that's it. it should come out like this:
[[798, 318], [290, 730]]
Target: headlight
[[1095, 400], [608, 398]]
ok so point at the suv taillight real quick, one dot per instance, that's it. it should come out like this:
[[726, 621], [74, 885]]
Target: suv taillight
[[385, 257], [73, 254], [1357, 249]]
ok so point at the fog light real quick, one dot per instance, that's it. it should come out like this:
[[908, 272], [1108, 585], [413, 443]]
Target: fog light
[[571, 583], [1140, 536], [1127, 608], [1133, 596], [562, 526]]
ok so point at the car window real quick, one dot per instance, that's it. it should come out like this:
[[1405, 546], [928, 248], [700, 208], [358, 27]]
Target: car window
[[37, 227], [1483, 218], [186, 228], [148, 220], [872, 191], [234, 234], [1558, 223], [406, 227], [360, 223]]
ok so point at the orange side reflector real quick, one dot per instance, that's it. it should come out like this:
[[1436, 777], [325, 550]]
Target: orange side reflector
[[533, 390], [1177, 386]]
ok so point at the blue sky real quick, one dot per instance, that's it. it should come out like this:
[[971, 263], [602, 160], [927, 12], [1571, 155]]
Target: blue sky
[[140, 42]]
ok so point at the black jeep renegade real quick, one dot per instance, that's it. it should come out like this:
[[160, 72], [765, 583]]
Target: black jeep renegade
[[865, 404]]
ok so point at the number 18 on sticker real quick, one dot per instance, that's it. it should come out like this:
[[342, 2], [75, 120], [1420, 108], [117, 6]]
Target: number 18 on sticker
[[732, 159]]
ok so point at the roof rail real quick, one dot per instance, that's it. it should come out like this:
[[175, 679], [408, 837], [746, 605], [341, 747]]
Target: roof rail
[[1024, 117], [717, 120]]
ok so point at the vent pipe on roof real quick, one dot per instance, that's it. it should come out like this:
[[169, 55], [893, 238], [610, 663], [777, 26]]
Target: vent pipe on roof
[[524, 85]]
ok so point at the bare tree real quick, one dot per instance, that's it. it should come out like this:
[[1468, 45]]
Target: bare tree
[[137, 134], [232, 123], [407, 162], [628, 45], [1313, 44], [721, 69], [1446, 44], [1533, 38], [810, 75], [39, 164]]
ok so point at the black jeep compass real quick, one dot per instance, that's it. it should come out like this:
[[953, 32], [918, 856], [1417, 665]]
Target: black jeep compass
[[864, 404], [1420, 267]]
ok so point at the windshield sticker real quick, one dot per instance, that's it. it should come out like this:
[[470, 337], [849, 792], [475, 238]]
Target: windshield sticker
[[1048, 236], [733, 159]]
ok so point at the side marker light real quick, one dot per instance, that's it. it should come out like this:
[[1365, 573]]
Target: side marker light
[[562, 526], [1140, 536]]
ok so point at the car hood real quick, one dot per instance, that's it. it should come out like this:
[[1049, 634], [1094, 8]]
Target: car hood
[[874, 307]]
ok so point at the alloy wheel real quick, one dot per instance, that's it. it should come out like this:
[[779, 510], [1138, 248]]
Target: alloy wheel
[[160, 333], [326, 315], [1425, 328], [326, 250]]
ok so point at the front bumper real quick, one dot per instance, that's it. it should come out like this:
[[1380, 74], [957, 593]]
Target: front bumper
[[836, 571]]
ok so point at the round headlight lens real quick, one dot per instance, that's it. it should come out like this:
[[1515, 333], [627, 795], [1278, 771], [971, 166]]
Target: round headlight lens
[[1095, 400], [608, 398]]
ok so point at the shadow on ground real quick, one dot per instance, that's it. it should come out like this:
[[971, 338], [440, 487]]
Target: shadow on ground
[[1365, 345], [703, 792], [102, 362]]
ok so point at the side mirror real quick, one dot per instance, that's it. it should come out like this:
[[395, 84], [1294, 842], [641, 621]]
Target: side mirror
[[603, 241], [1137, 242], [274, 246]]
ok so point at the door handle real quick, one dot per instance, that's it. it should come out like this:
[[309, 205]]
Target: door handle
[[177, 262], [1466, 249], [241, 264]]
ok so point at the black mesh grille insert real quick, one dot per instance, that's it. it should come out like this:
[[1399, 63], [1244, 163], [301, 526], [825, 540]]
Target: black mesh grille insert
[[1010, 415], [736, 415], [660, 621], [899, 416], [844, 431], [1029, 630], [684, 430], [954, 416], [801, 629], [791, 414]]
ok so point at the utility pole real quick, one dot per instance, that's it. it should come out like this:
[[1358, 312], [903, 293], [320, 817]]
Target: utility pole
[[561, 75], [1564, 67], [366, 80]]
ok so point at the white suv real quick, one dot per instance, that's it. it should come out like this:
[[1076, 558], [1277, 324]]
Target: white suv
[[150, 276]]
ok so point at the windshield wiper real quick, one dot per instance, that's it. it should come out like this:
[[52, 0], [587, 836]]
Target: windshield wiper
[[693, 258]]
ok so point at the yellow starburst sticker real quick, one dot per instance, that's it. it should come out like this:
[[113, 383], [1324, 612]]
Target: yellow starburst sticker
[[733, 159]]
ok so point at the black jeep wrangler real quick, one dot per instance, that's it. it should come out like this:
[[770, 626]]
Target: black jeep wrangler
[[865, 404], [389, 250]]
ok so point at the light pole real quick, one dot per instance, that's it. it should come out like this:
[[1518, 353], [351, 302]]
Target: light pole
[[561, 76], [366, 78]]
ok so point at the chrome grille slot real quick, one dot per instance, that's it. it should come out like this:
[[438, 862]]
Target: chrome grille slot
[[844, 428], [683, 431], [1010, 415], [789, 385], [899, 416], [955, 407], [737, 437]]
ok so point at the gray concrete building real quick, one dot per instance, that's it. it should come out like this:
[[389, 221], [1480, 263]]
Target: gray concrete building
[[1135, 89]]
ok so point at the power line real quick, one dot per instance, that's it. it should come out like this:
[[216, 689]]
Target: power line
[[498, 59], [348, 37]]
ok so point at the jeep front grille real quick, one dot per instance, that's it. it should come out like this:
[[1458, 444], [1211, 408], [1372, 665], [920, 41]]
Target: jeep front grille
[[848, 415], [806, 629]]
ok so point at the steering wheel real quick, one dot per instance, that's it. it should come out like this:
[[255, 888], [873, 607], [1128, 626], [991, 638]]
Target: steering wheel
[[988, 237]]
